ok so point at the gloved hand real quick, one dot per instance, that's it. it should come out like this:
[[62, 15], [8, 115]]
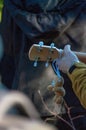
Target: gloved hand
[[67, 60]]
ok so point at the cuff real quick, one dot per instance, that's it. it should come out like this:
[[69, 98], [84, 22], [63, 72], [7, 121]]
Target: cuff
[[72, 68]]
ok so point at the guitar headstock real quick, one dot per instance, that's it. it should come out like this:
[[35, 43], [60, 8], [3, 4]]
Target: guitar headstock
[[40, 52]]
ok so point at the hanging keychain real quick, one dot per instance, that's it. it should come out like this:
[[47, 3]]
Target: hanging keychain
[[57, 86]]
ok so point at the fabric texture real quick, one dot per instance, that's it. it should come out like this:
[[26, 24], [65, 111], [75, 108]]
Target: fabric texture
[[78, 78]]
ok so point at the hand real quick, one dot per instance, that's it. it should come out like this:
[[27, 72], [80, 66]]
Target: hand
[[67, 60]]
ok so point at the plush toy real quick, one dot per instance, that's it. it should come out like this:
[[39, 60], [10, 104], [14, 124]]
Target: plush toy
[[58, 89]]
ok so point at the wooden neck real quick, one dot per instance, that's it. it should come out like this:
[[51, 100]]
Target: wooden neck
[[81, 56]]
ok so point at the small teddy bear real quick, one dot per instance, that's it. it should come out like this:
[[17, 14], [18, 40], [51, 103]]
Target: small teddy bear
[[58, 89]]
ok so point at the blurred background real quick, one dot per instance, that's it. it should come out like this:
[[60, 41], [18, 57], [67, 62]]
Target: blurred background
[[1, 6]]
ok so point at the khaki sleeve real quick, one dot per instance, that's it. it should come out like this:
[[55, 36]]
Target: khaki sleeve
[[78, 79]]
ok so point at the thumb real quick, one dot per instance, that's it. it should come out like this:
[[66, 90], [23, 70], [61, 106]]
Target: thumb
[[67, 49]]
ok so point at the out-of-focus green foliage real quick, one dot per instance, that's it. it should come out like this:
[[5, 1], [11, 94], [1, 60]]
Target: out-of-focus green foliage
[[1, 6]]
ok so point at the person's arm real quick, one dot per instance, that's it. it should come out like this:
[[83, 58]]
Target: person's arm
[[76, 70], [36, 24], [78, 78]]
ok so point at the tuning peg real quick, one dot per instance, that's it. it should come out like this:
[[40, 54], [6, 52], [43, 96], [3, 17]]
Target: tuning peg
[[41, 43], [52, 45], [47, 64], [35, 62]]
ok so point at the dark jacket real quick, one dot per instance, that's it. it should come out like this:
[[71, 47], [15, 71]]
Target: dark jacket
[[25, 24]]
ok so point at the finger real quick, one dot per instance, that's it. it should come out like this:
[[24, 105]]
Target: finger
[[67, 49]]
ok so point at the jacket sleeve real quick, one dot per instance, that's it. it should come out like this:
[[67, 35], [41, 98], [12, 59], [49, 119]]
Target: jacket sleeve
[[35, 24], [78, 78]]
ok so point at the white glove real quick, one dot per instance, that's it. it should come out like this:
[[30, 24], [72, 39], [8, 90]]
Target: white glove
[[67, 60]]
